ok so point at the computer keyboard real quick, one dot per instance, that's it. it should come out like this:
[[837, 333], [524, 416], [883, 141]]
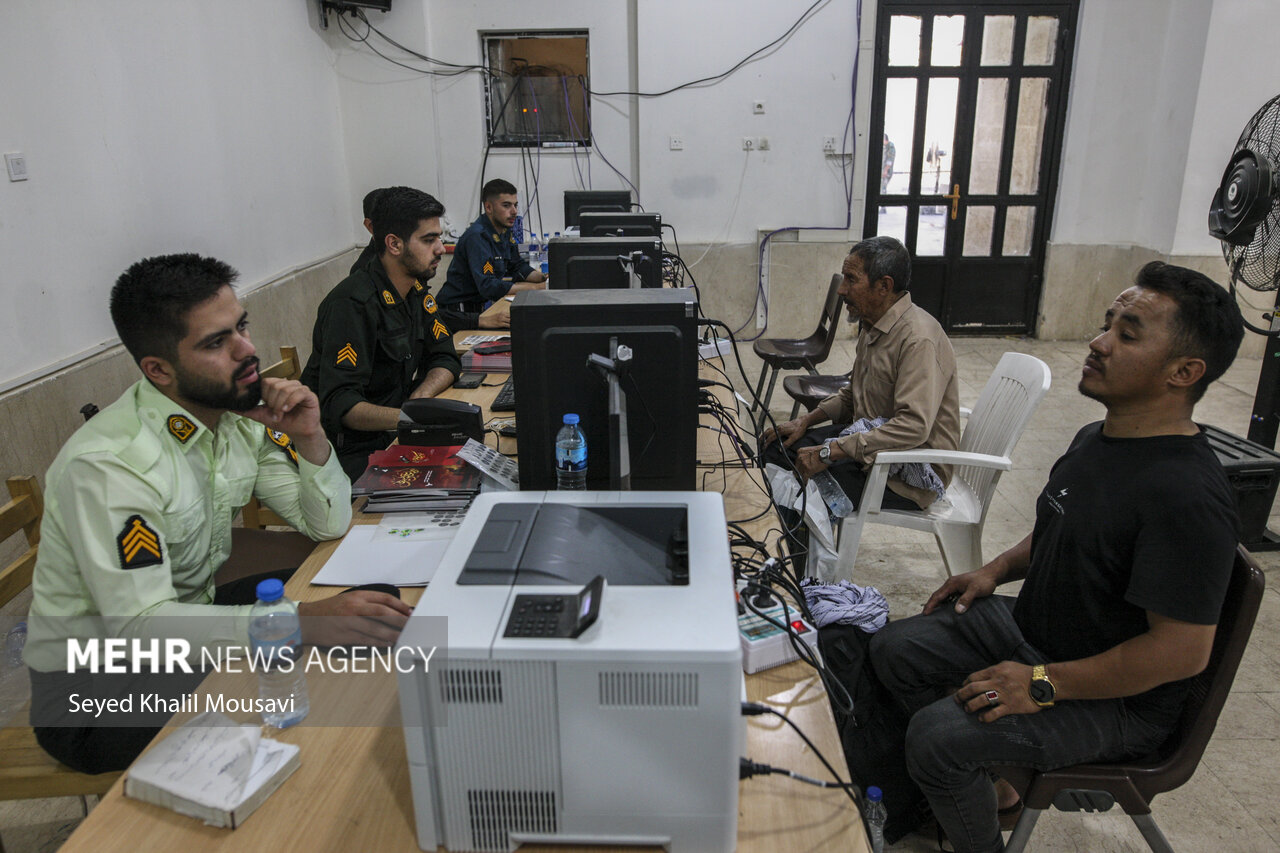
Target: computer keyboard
[[506, 399]]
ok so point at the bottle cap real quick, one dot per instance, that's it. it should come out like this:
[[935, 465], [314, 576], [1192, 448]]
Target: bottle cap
[[271, 589], [571, 419], [874, 794]]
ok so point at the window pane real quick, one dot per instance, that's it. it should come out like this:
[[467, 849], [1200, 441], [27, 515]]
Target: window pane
[[1042, 41], [977, 231], [931, 233], [904, 40], [893, 223], [948, 40], [939, 135], [534, 90], [899, 130], [1028, 137], [997, 40], [988, 135], [1018, 224]]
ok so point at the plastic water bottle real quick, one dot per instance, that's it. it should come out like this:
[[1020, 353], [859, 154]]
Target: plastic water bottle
[[14, 642], [838, 503], [275, 635], [875, 817], [571, 456]]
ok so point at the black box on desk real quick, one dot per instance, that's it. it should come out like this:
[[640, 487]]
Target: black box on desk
[[553, 332], [1254, 472]]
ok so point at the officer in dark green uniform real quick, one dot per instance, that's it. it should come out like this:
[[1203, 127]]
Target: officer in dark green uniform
[[378, 338], [487, 264]]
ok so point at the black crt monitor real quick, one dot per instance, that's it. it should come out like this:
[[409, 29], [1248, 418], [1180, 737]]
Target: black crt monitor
[[592, 224], [577, 201], [554, 331], [594, 263]]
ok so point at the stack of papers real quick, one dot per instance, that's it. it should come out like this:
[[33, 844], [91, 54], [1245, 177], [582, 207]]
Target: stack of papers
[[407, 479]]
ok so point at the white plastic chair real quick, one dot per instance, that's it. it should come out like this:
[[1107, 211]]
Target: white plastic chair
[[1006, 404]]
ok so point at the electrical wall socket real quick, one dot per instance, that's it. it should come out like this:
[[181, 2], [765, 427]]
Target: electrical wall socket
[[675, 143], [757, 107], [16, 164], [829, 144], [748, 143], [763, 143]]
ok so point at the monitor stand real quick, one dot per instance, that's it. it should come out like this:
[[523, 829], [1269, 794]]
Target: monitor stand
[[611, 370]]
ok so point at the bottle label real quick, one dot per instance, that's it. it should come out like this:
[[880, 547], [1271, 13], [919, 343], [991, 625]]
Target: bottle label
[[571, 460]]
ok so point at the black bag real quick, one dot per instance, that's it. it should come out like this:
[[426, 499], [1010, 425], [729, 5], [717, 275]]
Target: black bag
[[874, 735]]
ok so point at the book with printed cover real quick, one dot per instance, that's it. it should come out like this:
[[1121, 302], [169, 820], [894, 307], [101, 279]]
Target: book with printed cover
[[418, 473]]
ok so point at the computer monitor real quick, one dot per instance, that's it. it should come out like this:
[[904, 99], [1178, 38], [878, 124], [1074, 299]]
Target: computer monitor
[[576, 201], [595, 263], [554, 331], [635, 224]]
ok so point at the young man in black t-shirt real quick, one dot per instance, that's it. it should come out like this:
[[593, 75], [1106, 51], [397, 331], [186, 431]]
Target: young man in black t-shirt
[[1125, 572]]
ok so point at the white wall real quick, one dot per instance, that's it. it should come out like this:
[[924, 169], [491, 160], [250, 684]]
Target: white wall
[[1241, 72], [1129, 120], [155, 126]]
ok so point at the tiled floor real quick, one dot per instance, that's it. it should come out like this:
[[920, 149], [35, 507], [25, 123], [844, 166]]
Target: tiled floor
[[1233, 801], [1232, 804]]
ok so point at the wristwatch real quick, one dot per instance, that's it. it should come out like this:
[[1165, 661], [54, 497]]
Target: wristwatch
[[824, 453], [1042, 690]]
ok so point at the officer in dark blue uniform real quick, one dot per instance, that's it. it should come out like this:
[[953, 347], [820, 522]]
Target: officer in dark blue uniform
[[487, 264]]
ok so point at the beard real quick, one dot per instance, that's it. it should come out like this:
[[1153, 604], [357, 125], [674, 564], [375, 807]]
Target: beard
[[215, 395]]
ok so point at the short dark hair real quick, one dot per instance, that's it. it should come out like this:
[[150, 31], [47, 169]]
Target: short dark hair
[[495, 188], [151, 299], [1207, 325], [398, 210], [371, 199], [885, 256]]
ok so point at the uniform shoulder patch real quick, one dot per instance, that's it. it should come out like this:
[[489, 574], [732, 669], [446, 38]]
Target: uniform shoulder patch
[[388, 298], [347, 357], [429, 304], [496, 238], [439, 330], [488, 268], [285, 443], [417, 285], [181, 427], [138, 544]]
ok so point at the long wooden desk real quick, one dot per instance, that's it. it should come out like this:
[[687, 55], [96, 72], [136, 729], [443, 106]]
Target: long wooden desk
[[352, 791]]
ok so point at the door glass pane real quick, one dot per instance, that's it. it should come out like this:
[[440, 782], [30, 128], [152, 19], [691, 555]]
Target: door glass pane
[[899, 130], [904, 40], [997, 39], [988, 135], [893, 223], [1042, 41], [931, 230], [977, 230], [1029, 135], [948, 39], [1018, 223], [939, 135]]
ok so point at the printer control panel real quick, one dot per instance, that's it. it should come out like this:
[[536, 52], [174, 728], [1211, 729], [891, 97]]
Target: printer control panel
[[547, 616]]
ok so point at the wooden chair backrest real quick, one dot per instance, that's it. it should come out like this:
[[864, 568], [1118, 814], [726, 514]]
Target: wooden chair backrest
[[22, 512]]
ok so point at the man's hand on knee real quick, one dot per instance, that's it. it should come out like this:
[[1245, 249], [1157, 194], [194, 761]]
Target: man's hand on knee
[[789, 431], [963, 589], [997, 691]]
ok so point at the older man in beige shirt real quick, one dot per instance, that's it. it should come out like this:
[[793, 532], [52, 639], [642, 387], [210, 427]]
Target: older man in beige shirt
[[904, 371]]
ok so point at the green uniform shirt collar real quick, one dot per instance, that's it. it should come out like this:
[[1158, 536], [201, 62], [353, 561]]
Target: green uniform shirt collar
[[168, 419]]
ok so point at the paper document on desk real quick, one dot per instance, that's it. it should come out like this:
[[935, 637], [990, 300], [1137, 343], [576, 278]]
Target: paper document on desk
[[212, 769], [403, 551]]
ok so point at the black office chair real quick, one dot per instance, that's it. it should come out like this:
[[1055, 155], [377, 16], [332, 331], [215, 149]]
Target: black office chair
[[797, 353], [1133, 784]]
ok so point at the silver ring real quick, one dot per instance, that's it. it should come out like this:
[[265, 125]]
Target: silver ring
[[993, 698]]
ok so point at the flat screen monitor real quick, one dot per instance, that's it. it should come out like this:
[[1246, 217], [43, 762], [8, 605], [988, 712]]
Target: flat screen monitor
[[576, 201], [636, 224], [553, 332], [595, 263]]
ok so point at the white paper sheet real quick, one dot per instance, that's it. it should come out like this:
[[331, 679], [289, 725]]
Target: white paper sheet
[[382, 553]]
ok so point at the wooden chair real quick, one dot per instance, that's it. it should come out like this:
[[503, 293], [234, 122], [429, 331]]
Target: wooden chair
[[254, 515], [797, 353], [26, 770], [1006, 404], [1133, 784]]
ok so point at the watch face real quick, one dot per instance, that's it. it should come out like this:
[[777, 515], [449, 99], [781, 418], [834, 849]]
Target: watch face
[[825, 453], [1041, 691]]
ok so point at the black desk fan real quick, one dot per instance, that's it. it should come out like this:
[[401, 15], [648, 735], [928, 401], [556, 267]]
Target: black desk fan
[[1245, 216]]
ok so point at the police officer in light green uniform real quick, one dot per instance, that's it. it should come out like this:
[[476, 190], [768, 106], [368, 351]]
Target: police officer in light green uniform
[[379, 338], [139, 508]]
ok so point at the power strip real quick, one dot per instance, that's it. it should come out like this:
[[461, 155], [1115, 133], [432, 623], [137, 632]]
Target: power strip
[[765, 646], [715, 349]]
